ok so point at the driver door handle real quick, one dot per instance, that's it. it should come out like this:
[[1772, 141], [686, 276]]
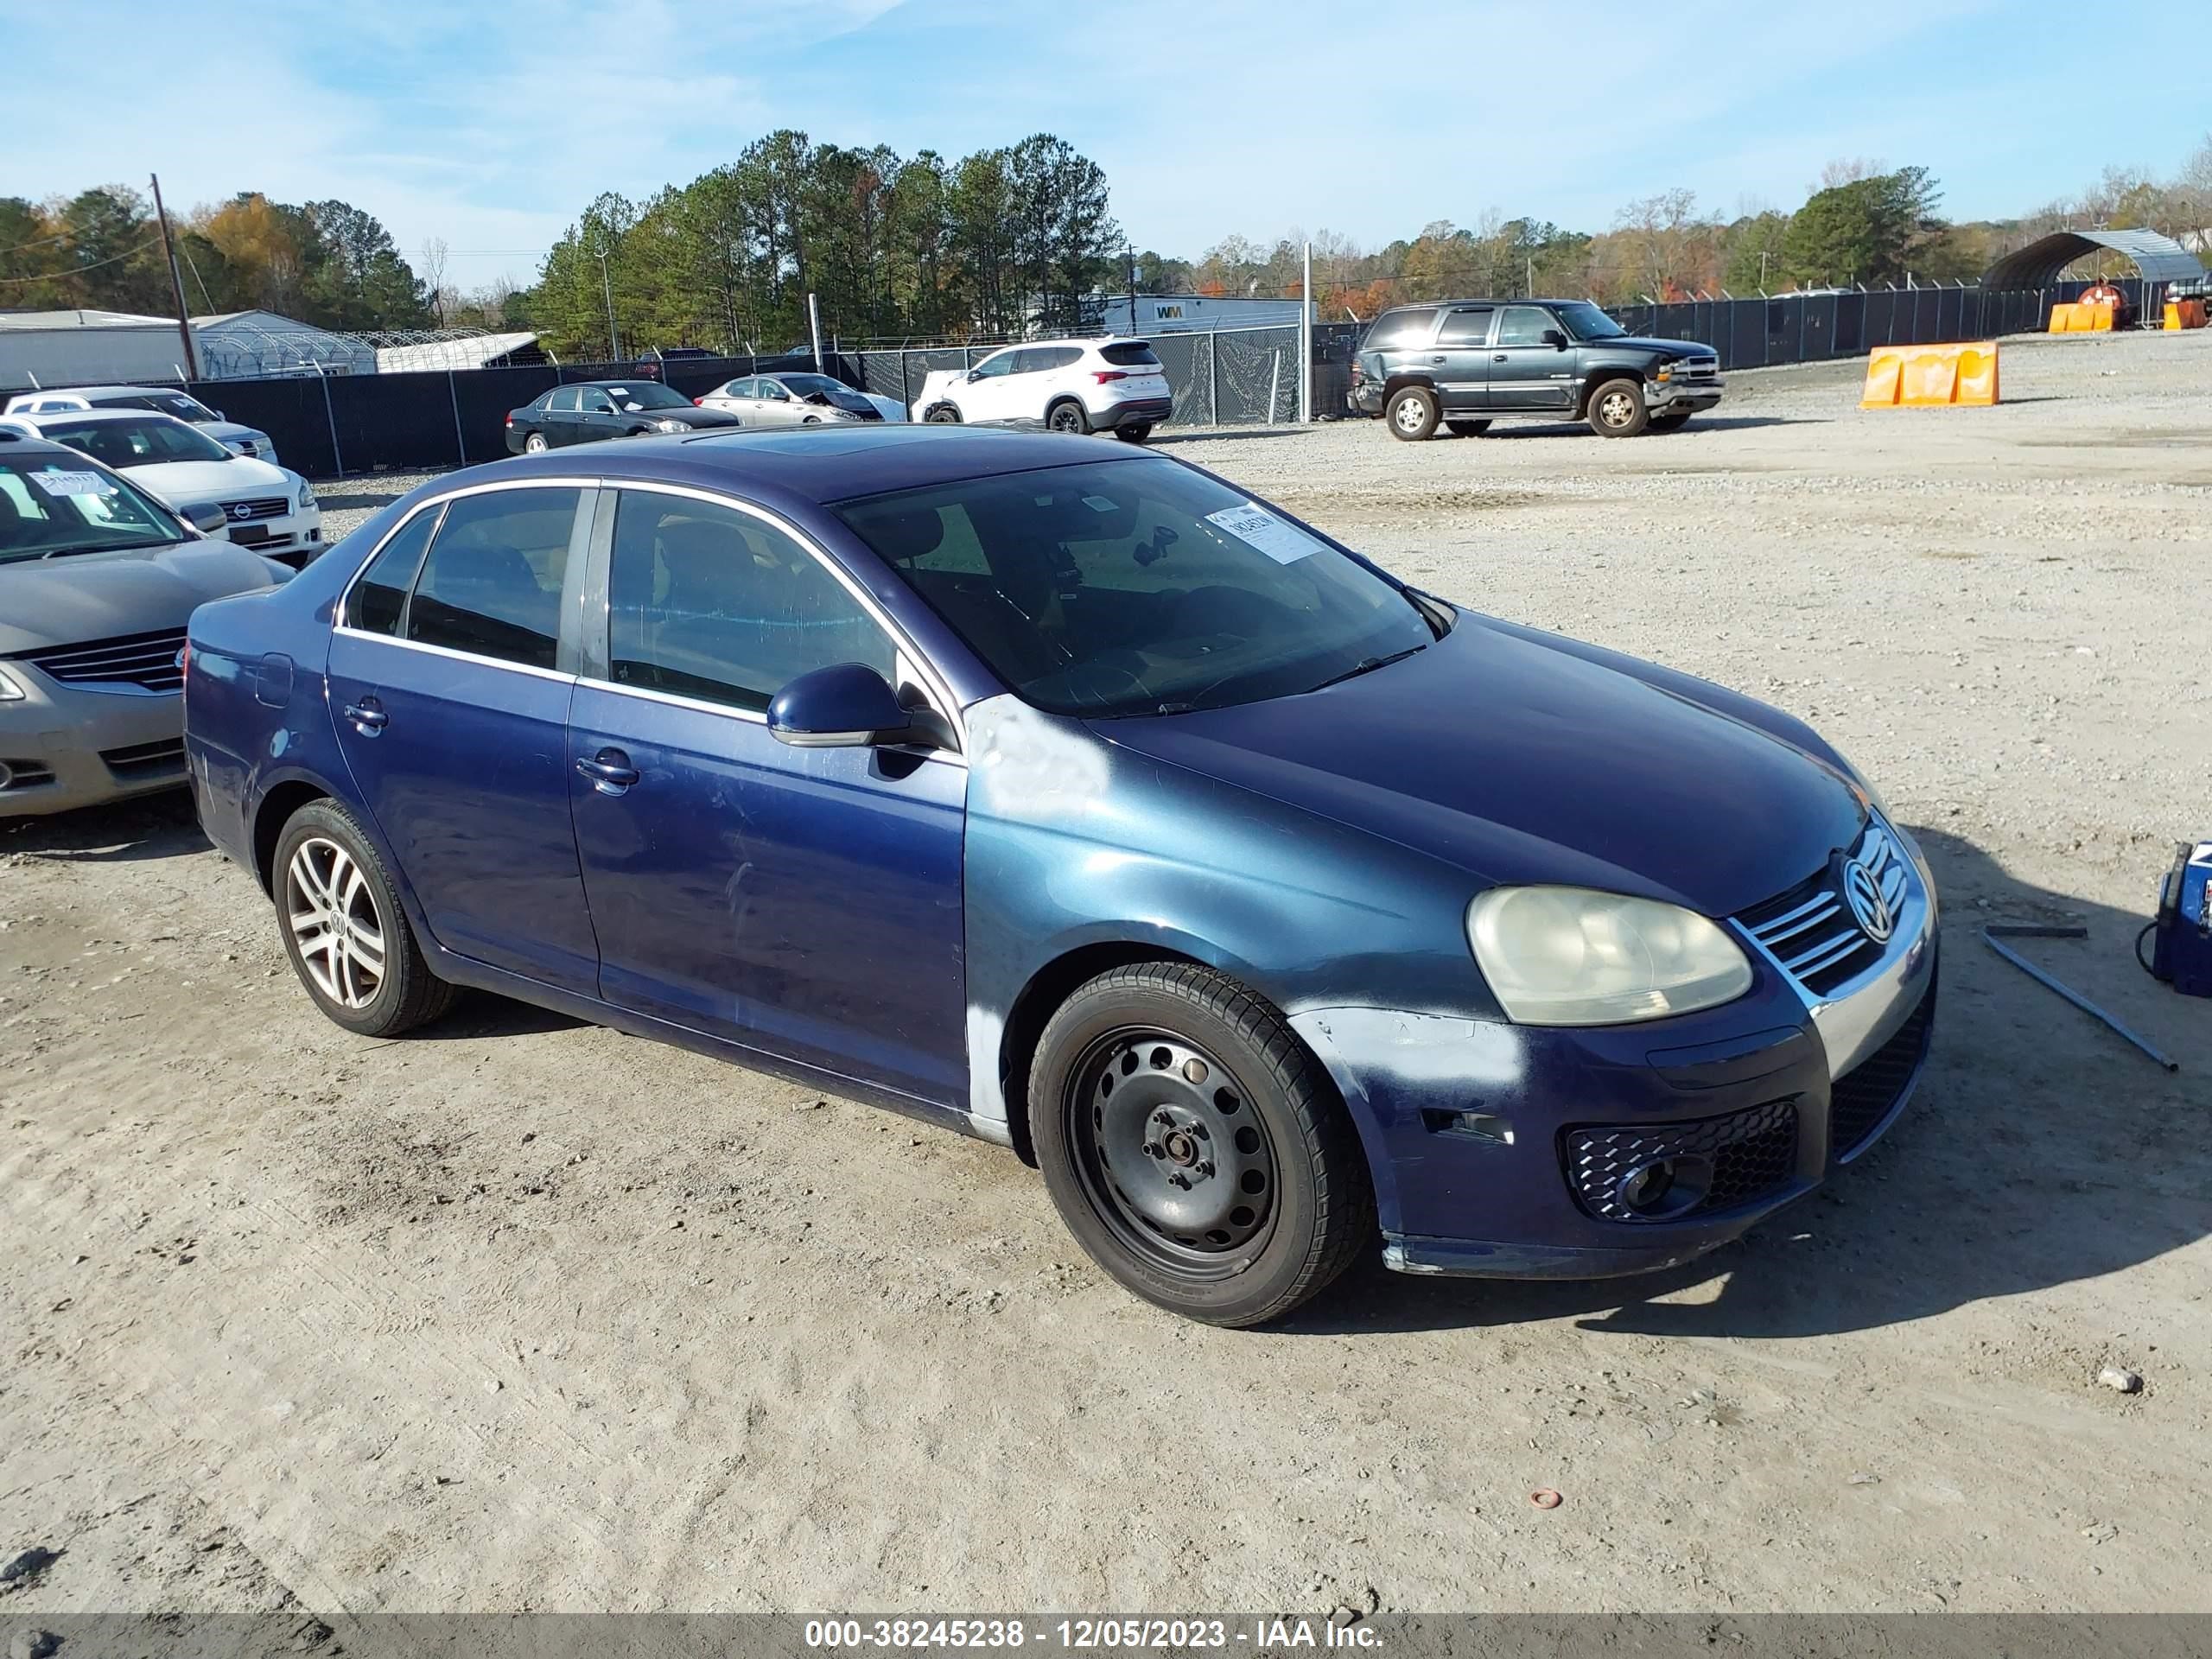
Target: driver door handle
[[610, 772]]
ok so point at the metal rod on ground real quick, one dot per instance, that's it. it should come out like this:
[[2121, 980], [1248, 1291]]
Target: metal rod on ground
[[176, 282], [1274, 379], [460, 438], [2023, 930], [337, 455], [1305, 340], [814, 328]]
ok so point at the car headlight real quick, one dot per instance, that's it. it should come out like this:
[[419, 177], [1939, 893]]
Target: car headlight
[[10, 691], [307, 495], [1575, 956], [671, 426]]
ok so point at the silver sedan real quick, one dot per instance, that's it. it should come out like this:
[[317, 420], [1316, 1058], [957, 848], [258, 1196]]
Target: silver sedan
[[790, 400]]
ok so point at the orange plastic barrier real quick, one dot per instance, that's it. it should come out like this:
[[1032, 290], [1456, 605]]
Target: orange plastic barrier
[[1930, 377], [2080, 319], [2185, 313]]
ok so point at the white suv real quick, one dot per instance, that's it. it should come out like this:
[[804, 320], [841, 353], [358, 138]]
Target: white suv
[[1086, 385]]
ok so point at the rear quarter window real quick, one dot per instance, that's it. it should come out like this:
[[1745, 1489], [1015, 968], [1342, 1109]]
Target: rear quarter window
[[1394, 328]]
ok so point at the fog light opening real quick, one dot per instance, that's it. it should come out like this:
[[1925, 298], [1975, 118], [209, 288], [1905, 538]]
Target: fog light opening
[[1644, 1188], [6, 775]]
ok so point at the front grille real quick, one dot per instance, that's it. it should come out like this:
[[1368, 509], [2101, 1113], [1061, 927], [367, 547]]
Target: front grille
[[129, 662], [1861, 1099], [1697, 368], [24, 774], [145, 759], [269, 506], [1810, 930], [1719, 1162]]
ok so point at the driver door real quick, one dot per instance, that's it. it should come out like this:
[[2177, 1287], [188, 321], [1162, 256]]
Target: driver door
[[777, 406], [1527, 371], [595, 417], [987, 395]]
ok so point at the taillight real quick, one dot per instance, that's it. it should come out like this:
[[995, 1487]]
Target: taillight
[[511, 420], [1101, 375], [699, 403]]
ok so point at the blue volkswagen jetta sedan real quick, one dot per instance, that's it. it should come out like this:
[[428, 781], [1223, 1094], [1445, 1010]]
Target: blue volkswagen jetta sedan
[[1068, 796]]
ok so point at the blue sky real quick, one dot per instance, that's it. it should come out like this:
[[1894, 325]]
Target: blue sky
[[490, 127]]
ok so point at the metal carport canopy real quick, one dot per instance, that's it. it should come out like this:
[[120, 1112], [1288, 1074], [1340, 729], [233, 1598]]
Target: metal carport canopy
[[2159, 259]]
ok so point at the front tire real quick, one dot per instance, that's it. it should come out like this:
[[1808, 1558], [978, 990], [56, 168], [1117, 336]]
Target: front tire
[[941, 415], [1068, 416], [1617, 409], [344, 931], [1467, 429], [1194, 1147], [1412, 413]]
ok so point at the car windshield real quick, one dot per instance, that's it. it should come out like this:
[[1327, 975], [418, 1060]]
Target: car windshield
[[1137, 587], [162, 402], [147, 442], [50, 507], [630, 398], [1586, 321]]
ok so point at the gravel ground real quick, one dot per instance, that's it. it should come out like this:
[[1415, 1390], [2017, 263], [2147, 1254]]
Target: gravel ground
[[522, 1314]]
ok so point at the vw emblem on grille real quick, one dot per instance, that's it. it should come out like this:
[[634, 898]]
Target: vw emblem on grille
[[1864, 894], [241, 511]]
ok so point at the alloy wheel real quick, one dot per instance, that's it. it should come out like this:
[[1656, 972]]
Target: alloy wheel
[[332, 910], [1170, 1153], [1066, 418], [1410, 414]]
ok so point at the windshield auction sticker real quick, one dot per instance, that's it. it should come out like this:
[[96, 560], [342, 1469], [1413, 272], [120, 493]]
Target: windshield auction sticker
[[71, 483], [1256, 525]]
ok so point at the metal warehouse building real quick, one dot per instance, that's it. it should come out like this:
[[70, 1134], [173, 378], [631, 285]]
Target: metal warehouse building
[[66, 348]]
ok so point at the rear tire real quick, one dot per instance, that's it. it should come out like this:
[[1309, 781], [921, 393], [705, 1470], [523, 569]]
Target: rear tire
[[1617, 409], [1194, 1147], [1136, 434], [344, 931], [1467, 429], [535, 444], [942, 414], [1068, 416], [1412, 413]]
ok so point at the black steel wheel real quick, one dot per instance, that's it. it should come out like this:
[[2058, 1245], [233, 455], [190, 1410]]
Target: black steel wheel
[[1194, 1147]]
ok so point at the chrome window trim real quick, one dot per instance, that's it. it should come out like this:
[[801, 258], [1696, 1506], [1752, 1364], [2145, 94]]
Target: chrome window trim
[[457, 656], [932, 682]]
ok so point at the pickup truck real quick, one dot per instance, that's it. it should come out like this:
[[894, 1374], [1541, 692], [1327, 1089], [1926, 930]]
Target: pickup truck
[[1462, 364]]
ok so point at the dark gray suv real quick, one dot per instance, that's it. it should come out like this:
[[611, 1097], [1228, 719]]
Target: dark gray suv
[[1465, 363]]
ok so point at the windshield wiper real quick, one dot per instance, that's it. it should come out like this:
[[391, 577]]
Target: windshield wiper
[[1368, 665], [107, 547]]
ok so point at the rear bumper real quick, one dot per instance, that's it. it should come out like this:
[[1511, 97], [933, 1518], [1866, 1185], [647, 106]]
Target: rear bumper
[[1137, 411]]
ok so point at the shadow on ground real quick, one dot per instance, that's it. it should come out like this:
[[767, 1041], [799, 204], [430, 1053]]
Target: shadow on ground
[[2040, 1149], [153, 826]]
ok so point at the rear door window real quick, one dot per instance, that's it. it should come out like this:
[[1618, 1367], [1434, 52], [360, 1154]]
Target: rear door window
[[1465, 325], [492, 583]]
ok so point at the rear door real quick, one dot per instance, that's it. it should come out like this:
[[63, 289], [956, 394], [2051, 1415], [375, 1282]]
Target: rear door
[[558, 420], [1458, 361], [806, 902], [449, 683], [1526, 371]]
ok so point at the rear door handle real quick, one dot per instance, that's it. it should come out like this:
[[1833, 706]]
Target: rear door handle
[[368, 716], [610, 772], [1438, 358], [1497, 357]]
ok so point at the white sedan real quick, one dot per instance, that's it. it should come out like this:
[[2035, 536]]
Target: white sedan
[[271, 510]]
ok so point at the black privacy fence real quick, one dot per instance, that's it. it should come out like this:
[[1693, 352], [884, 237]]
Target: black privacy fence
[[352, 424]]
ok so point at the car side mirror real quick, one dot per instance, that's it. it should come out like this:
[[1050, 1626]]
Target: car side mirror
[[1555, 338], [207, 518], [220, 415], [844, 706]]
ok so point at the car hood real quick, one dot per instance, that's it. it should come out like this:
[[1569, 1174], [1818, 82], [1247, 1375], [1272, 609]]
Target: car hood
[[223, 432], [696, 417], [1520, 759], [182, 483], [1639, 343], [82, 596]]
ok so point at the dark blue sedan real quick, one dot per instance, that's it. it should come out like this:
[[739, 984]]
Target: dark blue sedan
[[1065, 795]]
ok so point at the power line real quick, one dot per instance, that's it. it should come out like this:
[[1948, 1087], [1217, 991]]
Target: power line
[[52, 275]]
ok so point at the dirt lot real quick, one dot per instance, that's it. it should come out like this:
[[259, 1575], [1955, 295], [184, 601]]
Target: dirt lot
[[521, 1313]]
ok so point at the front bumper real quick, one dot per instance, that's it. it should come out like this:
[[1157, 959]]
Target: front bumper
[[1501, 1151], [294, 539], [63, 748], [1691, 396]]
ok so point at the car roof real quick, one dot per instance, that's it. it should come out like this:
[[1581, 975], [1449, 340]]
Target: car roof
[[19, 444], [791, 467], [79, 417]]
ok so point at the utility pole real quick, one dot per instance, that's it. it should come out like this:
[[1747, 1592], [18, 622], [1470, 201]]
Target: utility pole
[[1305, 340], [606, 287], [176, 282], [1131, 256]]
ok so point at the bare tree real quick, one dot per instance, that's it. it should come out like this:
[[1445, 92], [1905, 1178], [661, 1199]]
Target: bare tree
[[434, 276], [1847, 169]]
